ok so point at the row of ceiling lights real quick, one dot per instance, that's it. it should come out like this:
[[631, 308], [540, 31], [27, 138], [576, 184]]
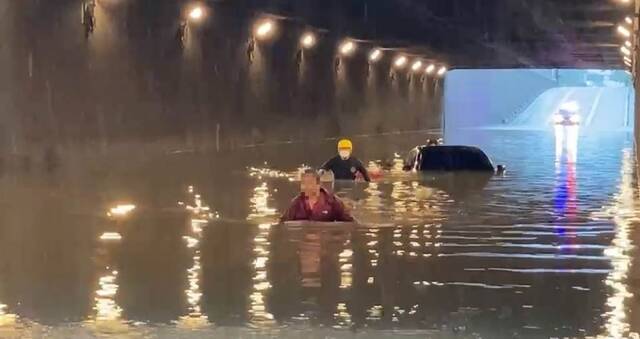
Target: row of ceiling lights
[[266, 28], [626, 29]]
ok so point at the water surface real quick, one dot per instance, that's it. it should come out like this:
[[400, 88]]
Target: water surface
[[186, 244]]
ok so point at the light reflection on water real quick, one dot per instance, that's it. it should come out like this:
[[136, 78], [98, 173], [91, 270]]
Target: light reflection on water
[[547, 250]]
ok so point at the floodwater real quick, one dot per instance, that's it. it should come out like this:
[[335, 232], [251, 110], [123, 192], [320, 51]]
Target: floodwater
[[185, 244]]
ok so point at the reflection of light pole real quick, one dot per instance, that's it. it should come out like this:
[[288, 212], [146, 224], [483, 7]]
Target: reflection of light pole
[[88, 17]]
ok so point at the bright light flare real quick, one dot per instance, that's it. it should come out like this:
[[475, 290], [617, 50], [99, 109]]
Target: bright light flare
[[121, 210], [375, 55], [400, 61], [442, 71], [308, 40], [430, 69], [624, 31], [347, 48], [106, 236], [416, 66], [265, 29], [196, 13], [627, 43], [574, 119], [625, 50], [628, 20]]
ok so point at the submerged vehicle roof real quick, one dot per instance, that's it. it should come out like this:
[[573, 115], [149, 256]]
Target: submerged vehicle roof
[[454, 158]]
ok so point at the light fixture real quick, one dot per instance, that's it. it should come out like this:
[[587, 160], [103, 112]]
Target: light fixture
[[416, 66], [627, 43], [196, 13], [628, 20], [400, 61], [625, 50], [442, 70], [375, 55], [347, 48], [265, 29], [308, 40], [430, 69], [624, 31]]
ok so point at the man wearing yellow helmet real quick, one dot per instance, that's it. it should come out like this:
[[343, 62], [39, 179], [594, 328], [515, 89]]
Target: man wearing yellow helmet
[[344, 166]]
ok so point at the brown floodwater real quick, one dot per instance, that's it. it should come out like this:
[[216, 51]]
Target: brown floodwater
[[186, 244]]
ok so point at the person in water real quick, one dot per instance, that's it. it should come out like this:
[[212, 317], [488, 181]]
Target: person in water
[[344, 166], [314, 203]]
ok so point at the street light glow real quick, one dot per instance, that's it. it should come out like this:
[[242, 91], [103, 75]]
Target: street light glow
[[196, 13], [375, 55], [628, 20], [624, 31], [430, 69], [347, 48], [416, 66], [308, 40], [400, 61], [627, 43], [265, 29], [442, 70], [625, 50], [627, 59]]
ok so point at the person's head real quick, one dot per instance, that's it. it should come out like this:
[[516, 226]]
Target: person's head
[[345, 147], [432, 142], [310, 182]]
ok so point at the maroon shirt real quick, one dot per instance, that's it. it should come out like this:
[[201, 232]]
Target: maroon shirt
[[327, 208]]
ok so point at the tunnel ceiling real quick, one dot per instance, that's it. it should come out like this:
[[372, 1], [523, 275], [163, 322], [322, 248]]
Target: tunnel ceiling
[[480, 33], [530, 33]]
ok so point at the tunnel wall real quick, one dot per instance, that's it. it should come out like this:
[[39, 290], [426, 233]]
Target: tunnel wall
[[132, 81]]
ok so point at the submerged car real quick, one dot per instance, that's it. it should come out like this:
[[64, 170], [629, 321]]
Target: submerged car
[[567, 115], [449, 159], [566, 118]]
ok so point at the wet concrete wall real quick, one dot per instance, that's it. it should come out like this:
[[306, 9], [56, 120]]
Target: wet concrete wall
[[132, 80]]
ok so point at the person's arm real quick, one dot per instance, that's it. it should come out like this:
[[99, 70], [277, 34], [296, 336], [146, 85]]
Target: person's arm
[[290, 213], [363, 171], [340, 211]]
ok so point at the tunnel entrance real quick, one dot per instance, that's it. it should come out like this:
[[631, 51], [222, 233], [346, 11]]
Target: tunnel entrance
[[537, 99]]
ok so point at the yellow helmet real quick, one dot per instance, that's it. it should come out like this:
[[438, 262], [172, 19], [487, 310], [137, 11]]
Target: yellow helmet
[[345, 144]]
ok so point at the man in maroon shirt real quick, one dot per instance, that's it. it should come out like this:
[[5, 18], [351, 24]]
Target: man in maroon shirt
[[315, 203]]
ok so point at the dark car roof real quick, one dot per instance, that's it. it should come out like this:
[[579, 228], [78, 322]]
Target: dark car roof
[[454, 158]]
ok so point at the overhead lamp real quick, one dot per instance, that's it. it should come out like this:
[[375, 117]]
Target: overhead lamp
[[416, 66], [400, 61], [429, 69], [265, 29], [628, 20], [308, 40], [627, 43], [196, 13], [347, 48], [375, 55], [442, 70], [625, 50], [624, 31]]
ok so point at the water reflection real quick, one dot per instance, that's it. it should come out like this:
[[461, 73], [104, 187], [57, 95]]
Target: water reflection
[[531, 254], [199, 216], [625, 215]]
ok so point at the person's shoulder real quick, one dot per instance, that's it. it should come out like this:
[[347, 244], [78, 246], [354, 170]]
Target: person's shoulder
[[356, 160]]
